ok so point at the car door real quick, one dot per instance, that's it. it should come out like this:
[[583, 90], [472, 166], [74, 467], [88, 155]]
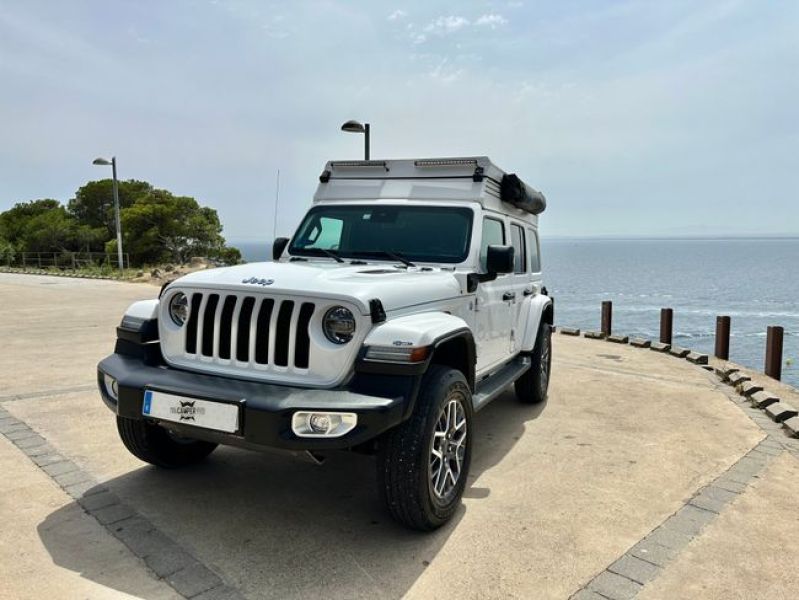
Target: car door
[[519, 285], [533, 284], [492, 311]]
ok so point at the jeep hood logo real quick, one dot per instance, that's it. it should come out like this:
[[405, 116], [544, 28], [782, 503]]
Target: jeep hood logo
[[256, 281]]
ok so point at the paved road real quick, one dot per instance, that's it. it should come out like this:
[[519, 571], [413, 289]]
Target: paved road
[[558, 494]]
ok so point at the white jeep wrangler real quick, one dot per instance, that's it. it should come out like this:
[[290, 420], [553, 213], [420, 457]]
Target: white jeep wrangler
[[409, 297]]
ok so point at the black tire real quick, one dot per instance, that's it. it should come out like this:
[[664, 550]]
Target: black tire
[[532, 387], [406, 466], [155, 445]]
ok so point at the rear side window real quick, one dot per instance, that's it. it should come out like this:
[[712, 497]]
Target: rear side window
[[493, 235], [519, 254], [535, 251]]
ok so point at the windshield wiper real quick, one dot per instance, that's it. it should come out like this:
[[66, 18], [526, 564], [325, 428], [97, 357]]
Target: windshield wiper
[[328, 253], [388, 253], [399, 257]]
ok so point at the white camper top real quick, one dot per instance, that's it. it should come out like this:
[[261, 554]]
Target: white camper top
[[471, 178]]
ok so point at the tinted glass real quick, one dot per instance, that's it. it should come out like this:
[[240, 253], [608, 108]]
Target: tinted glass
[[326, 233], [535, 258], [519, 255], [493, 235], [417, 233]]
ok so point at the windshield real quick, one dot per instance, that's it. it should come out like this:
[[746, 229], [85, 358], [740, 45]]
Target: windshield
[[438, 234]]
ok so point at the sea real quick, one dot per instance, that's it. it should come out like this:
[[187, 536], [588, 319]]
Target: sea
[[754, 281]]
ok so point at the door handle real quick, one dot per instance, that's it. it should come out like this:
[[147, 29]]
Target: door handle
[[508, 296], [529, 291]]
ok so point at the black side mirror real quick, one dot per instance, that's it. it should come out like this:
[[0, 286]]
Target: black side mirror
[[278, 246], [499, 259]]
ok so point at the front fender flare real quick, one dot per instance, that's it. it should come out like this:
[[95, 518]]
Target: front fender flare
[[437, 330], [415, 331]]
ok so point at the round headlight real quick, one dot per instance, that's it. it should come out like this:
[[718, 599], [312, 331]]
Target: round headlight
[[179, 308], [339, 325]]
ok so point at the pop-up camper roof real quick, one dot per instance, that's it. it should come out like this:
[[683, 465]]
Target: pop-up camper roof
[[462, 178]]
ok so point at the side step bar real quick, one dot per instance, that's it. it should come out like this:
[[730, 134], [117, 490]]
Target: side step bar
[[490, 388]]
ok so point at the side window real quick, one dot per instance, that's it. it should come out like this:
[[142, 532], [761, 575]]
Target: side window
[[325, 233], [519, 255], [535, 251], [493, 235]]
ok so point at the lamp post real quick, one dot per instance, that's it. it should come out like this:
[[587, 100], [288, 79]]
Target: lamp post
[[356, 127], [113, 163]]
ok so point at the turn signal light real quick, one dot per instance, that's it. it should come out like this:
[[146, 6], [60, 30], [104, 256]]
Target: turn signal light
[[397, 353]]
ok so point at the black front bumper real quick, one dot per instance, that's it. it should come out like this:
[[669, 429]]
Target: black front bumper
[[381, 401]]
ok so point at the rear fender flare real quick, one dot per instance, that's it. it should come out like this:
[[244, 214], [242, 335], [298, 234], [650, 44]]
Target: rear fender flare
[[539, 309]]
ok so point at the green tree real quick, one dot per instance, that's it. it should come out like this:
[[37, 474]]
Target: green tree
[[7, 251], [39, 226], [157, 225], [51, 231], [162, 228], [14, 221], [93, 204]]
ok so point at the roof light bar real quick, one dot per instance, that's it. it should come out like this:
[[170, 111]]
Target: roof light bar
[[349, 164], [445, 162]]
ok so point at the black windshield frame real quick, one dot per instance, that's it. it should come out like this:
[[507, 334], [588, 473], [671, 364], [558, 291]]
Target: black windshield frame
[[410, 248]]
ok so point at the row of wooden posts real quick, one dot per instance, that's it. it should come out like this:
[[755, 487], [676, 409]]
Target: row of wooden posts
[[774, 334]]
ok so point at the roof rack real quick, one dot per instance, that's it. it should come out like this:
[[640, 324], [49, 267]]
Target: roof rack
[[496, 183]]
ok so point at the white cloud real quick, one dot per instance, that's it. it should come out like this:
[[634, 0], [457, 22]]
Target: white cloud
[[445, 25], [397, 15], [444, 73], [491, 20]]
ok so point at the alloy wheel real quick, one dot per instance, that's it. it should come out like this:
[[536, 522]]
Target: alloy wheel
[[448, 448]]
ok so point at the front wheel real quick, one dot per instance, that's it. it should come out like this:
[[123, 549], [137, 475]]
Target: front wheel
[[422, 464], [157, 446], [532, 387]]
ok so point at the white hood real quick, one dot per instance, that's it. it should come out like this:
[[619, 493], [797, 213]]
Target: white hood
[[395, 288]]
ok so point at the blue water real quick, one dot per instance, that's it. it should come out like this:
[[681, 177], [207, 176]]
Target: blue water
[[754, 281]]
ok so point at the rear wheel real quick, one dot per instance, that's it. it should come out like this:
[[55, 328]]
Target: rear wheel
[[532, 387], [157, 446], [423, 463]]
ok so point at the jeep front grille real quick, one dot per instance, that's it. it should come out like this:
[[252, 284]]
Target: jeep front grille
[[231, 328]]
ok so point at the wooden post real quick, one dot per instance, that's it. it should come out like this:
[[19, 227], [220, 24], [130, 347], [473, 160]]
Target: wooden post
[[666, 322], [774, 351], [723, 338], [607, 317]]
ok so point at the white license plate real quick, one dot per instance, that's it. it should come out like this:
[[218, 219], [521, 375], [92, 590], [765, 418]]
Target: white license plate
[[220, 416]]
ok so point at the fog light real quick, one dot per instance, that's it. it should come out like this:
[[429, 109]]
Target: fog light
[[319, 423], [323, 424], [111, 387]]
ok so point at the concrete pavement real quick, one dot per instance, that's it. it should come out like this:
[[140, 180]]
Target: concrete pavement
[[557, 493]]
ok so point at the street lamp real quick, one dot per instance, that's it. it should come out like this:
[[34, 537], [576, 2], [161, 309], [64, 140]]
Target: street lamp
[[113, 163], [356, 127]]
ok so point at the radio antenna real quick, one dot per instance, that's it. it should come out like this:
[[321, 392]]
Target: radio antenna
[[277, 201]]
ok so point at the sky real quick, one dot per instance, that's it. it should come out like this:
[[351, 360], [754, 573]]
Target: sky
[[661, 118]]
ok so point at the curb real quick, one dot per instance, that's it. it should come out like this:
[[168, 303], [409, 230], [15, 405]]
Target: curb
[[777, 411], [67, 275]]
